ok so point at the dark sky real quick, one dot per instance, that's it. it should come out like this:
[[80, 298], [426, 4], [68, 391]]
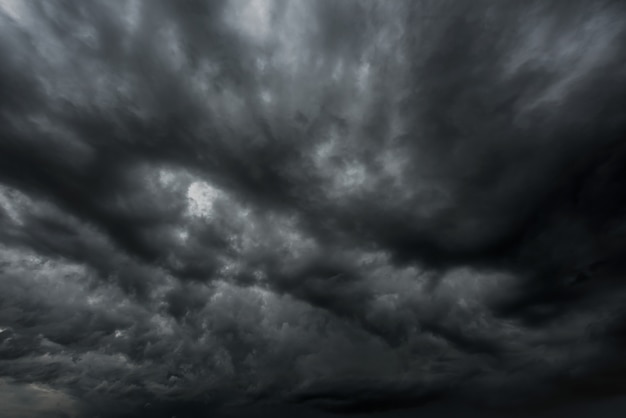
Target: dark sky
[[312, 208]]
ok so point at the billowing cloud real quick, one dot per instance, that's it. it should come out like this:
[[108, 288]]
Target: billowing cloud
[[346, 206]]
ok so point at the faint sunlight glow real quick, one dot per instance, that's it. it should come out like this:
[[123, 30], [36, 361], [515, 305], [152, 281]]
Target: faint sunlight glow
[[20, 400], [201, 197]]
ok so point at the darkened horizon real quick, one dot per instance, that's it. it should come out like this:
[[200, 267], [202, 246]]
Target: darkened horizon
[[312, 208]]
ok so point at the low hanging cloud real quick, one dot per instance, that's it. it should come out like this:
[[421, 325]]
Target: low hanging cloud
[[346, 206]]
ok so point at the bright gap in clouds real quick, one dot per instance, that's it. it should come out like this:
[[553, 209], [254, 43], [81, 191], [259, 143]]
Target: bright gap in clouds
[[200, 198]]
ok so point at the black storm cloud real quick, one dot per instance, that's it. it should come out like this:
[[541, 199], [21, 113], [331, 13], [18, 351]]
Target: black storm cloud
[[311, 208]]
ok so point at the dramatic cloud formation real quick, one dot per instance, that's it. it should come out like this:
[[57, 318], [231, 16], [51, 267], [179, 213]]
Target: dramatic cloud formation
[[312, 207]]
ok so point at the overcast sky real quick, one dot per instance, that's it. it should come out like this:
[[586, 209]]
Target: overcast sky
[[312, 208]]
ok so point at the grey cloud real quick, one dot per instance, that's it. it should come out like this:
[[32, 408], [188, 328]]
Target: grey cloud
[[349, 206]]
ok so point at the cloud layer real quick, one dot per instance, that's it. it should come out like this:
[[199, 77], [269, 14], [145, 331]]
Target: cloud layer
[[350, 205]]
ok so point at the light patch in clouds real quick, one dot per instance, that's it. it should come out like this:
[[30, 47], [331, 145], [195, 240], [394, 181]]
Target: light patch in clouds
[[252, 18], [10, 200], [18, 400], [12, 8], [201, 199]]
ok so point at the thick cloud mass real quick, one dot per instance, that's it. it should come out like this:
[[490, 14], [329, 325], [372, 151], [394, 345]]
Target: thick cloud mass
[[346, 206]]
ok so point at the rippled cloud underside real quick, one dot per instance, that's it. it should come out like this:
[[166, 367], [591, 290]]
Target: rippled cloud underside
[[326, 207]]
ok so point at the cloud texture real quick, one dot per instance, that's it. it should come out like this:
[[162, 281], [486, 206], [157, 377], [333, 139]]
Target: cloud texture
[[352, 206]]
